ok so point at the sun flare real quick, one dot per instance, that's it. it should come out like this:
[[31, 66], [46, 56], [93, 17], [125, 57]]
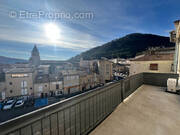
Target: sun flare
[[52, 31]]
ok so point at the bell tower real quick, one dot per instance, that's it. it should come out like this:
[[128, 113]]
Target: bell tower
[[35, 57]]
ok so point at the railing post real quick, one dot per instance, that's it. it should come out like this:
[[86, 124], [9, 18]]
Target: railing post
[[122, 91]]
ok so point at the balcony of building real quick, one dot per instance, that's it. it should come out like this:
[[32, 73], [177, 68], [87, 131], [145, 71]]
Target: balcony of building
[[133, 106], [148, 111]]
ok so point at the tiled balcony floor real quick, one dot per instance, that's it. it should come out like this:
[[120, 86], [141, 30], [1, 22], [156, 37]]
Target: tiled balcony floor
[[149, 111]]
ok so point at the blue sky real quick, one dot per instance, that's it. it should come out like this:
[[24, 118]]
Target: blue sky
[[109, 20]]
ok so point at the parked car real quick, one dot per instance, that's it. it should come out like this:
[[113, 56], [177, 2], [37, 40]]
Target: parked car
[[19, 103], [58, 93], [9, 104]]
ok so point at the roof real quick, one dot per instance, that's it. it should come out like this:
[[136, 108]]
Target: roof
[[2, 77], [20, 70], [157, 57], [55, 77], [45, 78], [42, 78], [35, 51]]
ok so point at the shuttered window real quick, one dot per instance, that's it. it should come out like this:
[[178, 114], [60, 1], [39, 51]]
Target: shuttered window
[[153, 66]]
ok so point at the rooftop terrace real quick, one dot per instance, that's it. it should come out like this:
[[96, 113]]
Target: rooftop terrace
[[133, 106], [149, 111]]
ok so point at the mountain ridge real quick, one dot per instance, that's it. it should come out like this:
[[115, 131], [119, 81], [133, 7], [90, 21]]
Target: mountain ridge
[[125, 47], [9, 60]]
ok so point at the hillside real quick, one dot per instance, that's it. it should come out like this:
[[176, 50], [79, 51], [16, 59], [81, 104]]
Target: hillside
[[7, 60], [125, 47]]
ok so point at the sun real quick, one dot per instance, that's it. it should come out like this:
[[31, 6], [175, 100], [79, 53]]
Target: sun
[[52, 31]]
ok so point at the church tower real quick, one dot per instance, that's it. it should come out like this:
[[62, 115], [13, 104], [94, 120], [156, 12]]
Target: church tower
[[35, 58]]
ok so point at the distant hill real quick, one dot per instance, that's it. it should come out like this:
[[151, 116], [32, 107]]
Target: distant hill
[[7, 60], [125, 47]]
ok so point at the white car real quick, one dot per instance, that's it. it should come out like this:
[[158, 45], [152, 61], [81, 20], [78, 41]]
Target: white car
[[19, 103], [8, 105], [58, 93]]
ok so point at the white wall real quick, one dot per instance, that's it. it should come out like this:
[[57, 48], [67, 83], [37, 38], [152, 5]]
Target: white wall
[[144, 66]]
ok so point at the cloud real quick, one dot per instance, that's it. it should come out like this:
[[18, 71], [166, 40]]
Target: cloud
[[28, 36], [30, 31]]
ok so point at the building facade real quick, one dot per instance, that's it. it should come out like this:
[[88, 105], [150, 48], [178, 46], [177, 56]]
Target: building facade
[[19, 81], [2, 86], [47, 85], [105, 70], [157, 63], [71, 83], [175, 37]]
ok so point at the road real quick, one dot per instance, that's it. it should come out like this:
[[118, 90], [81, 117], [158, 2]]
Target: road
[[15, 112]]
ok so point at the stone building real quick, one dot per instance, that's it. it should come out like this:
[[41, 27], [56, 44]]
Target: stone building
[[105, 70], [41, 85], [102, 67], [19, 81], [88, 81], [71, 83], [47, 85]]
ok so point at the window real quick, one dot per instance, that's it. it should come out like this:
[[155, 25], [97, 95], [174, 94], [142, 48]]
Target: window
[[11, 91], [23, 84], [153, 67], [57, 86], [19, 75], [24, 91], [10, 83], [40, 88]]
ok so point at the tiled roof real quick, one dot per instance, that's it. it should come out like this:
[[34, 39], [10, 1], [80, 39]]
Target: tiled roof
[[44, 78], [157, 57], [20, 70]]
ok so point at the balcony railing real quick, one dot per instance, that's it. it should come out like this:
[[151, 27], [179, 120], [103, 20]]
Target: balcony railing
[[82, 113]]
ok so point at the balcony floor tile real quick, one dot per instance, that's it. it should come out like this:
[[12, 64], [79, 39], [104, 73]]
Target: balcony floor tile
[[149, 111]]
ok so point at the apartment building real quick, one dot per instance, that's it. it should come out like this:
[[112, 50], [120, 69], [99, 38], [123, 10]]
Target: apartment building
[[71, 83], [105, 70], [88, 81], [102, 67], [41, 85], [56, 83], [43, 69], [19, 81], [46, 84]]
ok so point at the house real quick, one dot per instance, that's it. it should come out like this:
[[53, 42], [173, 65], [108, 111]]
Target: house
[[156, 61]]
